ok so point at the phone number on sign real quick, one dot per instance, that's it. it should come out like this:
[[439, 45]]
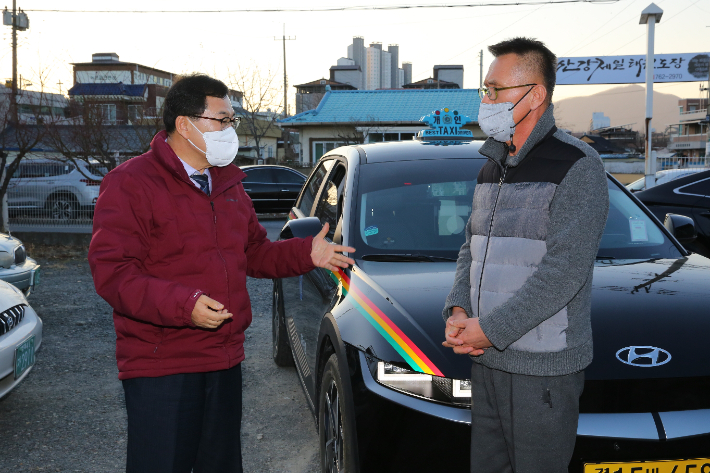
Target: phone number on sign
[[667, 76]]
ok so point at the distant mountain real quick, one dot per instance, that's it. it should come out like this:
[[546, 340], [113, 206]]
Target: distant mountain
[[623, 105]]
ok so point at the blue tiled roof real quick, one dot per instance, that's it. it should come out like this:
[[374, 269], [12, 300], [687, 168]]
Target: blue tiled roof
[[131, 90], [398, 105]]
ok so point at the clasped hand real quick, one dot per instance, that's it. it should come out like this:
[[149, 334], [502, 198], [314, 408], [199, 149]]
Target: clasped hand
[[464, 334]]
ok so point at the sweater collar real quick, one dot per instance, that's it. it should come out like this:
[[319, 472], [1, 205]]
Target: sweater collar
[[498, 151], [222, 177]]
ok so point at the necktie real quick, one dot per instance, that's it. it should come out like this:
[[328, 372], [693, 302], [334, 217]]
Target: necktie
[[203, 181]]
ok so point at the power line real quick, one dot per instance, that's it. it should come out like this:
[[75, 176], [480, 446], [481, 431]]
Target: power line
[[334, 9]]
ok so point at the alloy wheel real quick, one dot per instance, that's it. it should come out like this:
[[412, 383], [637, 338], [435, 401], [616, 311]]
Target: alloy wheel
[[275, 321], [62, 209], [333, 431]]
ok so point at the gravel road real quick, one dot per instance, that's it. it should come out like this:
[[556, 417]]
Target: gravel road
[[69, 415]]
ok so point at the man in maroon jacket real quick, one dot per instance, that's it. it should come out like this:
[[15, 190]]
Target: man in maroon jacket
[[175, 237]]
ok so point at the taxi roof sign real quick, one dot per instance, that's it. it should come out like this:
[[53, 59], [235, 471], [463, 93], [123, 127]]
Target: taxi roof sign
[[445, 124]]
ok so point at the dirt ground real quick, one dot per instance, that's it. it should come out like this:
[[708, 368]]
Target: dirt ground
[[69, 416]]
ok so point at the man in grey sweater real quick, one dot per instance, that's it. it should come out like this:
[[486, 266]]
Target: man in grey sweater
[[520, 304]]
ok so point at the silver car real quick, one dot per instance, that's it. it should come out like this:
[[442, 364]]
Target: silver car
[[20, 337], [61, 191], [15, 267]]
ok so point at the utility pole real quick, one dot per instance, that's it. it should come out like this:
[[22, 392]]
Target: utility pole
[[284, 39], [13, 101], [480, 63], [18, 22], [707, 116]]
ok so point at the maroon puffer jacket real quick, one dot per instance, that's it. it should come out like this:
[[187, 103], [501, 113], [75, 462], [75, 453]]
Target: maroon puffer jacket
[[159, 243]]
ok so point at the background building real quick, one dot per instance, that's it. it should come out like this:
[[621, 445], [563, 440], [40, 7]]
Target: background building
[[407, 69], [449, 73], [366, 116], [692, 136]]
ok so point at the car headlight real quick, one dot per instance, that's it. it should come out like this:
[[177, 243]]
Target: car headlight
[[434, 388]]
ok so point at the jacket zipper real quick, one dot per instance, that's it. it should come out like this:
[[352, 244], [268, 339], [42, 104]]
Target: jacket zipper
[[488, 241], [219, 251]]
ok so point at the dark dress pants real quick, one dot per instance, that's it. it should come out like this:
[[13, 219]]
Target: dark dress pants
[[523, 424], [185, 423]]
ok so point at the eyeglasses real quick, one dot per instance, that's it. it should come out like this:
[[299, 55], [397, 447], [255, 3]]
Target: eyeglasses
[[226, 121], [492, 92]]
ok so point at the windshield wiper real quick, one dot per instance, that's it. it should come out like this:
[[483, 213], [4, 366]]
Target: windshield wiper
[[415, 257]]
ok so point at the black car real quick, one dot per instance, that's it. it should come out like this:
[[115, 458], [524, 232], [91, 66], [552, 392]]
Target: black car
[[690, 196], [366, 341], [272, 188]]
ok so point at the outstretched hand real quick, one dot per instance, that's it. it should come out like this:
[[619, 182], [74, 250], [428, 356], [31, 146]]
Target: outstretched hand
[[327, 255]]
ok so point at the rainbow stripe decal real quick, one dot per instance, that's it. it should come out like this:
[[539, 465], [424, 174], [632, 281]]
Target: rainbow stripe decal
[[399, 341]]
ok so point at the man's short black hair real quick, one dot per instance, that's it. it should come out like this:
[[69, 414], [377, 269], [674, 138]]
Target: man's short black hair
[[535, 54], [188, 97]]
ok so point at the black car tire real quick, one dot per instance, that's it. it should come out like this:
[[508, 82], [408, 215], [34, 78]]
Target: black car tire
[[279, 336], [62, 206], [336, 430]]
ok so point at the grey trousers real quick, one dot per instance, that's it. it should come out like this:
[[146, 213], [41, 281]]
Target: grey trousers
[[523, 424]]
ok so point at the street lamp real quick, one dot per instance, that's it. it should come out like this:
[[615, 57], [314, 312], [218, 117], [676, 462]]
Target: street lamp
[[649, 17]]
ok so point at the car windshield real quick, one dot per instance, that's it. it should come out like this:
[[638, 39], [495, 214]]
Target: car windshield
[[420, 208], [415, 207], [630, 233]]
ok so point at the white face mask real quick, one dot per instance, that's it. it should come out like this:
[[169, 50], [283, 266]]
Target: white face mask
[[496, 119], [222, 146]]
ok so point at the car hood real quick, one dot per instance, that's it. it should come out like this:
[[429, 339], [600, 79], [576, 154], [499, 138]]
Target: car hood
[[10, 296], [651, 303], [635, 303]]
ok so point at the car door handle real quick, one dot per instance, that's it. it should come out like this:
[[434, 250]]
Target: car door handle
[[285, 190]]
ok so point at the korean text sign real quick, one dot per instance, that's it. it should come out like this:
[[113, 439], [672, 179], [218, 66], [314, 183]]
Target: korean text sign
[[686, 67]]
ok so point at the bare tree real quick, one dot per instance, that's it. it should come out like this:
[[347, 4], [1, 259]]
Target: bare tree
[[21, 130], [262, 102], [97, 140]]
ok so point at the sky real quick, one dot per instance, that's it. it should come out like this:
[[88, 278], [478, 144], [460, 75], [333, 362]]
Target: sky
[[223, 42]]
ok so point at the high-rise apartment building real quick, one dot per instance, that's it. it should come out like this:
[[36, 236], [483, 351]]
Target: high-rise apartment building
[[393, 49], [407, 66], [385, 70], [374, 60]]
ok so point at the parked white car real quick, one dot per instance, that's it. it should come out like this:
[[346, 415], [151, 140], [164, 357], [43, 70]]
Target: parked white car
[[16, 267], [20, 337], [662, 177], [60, 191]]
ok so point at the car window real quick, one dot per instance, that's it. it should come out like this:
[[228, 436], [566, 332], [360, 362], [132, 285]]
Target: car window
[[311, 191], [700, 188], [330, 205], [630, 233], [415, 206], [34, 170], [259, 176], [284, 176]]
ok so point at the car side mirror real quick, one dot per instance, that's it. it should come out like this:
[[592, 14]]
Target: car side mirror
[[301, 228], [681, 227]]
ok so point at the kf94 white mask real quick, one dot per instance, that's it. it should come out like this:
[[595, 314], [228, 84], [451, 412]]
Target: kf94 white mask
[[222, 146]]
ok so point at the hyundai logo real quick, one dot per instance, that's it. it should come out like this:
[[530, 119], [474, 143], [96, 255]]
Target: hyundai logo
[[644, 357]]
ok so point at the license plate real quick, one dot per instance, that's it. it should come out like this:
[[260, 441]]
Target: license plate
[[698, 465], [24, 356], [36, 282]]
